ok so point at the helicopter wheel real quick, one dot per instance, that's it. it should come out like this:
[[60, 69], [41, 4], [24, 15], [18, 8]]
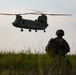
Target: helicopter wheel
[[35, 30], [44, 31], [29, 30], [21, 30]]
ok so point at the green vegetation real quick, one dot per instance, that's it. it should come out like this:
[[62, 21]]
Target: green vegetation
[[26, 63]]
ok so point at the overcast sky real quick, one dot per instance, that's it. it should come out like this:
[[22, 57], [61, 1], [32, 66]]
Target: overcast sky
[[12, 39]]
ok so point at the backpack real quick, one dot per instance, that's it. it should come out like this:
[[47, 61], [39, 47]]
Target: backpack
[[57, 46]]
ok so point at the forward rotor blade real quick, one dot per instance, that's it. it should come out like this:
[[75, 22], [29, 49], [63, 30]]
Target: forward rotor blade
[[6, 14], [30, 13], [15, 14]]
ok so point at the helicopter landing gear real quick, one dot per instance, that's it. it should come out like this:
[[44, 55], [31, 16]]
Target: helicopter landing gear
[[44, 31], [35, 30], [29, 30], [21, 30]]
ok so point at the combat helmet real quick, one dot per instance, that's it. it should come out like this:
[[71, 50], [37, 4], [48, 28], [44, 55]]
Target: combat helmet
[[60, 32]]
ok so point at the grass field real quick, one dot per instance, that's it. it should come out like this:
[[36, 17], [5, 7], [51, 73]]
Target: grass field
[[27, 63]]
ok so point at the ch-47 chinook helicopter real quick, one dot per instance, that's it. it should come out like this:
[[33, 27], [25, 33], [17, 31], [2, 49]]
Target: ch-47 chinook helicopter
[[38, 24]]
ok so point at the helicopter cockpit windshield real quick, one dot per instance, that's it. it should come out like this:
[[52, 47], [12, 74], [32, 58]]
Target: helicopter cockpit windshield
[[18, 20], [18, 17]]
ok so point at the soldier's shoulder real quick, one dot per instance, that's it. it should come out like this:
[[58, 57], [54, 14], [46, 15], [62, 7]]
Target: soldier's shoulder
[[64, 41], [52, 39]]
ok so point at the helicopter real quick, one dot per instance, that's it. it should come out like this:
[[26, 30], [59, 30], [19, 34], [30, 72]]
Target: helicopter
[[39, 24]]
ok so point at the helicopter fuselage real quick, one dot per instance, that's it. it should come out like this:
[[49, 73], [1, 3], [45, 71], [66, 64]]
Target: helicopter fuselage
[[29, 24]]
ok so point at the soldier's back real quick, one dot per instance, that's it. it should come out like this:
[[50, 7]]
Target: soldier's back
[[57, 46]]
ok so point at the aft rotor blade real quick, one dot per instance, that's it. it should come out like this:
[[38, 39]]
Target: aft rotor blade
[[59, 14], [47, 14]]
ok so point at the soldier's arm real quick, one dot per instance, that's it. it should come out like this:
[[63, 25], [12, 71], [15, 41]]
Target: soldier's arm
[[67, 46], [48, 46]]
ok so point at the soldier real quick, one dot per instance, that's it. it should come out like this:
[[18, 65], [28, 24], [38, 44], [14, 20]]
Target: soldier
[[58, 46]]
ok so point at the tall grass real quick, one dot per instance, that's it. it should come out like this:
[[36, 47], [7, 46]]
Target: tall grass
[[27, 63]]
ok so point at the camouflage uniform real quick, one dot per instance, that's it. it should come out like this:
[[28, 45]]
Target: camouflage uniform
[[58, 46]]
